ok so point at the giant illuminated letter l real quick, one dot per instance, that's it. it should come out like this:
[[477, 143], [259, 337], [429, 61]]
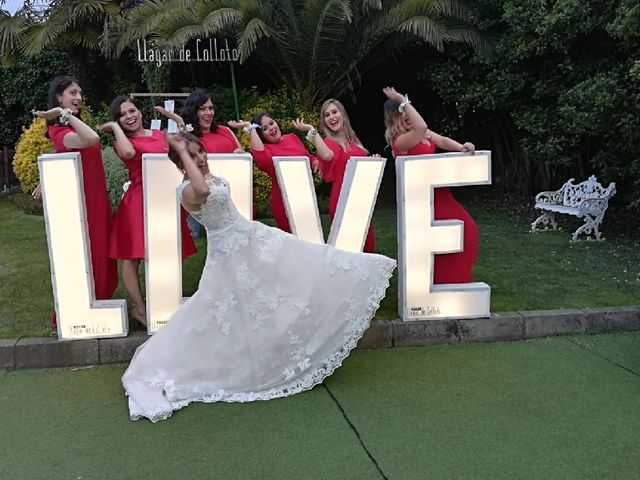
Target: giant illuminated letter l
[[79, 314]]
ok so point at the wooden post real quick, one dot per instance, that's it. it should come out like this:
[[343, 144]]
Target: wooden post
[[5, 167], [235, 91]]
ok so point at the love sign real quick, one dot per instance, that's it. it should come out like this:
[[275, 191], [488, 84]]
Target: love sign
[[420, 237]]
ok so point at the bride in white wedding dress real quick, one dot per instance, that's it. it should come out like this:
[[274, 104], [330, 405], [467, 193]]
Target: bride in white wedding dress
[[273, 315]]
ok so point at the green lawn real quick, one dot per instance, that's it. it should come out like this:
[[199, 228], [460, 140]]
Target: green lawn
[[525, 271], [560, 408]]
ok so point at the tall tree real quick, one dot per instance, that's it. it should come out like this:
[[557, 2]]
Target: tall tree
[[560, 96], [317, 47], [76, 26]]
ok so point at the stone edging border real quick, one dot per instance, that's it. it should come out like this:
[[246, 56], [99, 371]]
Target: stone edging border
[[47, 352]]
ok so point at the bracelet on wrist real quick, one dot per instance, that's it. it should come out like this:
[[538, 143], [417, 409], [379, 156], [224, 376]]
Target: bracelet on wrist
[[64, 116], [187, 128], [311, 134], [250, 127], [404, 103]]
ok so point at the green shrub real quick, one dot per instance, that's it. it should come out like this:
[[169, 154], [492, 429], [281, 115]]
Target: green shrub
[[26, 203], [115, 174], [24, 84], [284, 107]]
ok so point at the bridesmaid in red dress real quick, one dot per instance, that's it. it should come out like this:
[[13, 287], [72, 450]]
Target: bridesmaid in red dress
[[199, 112], [197, 116], [408, 134], [70, 134], [342, 143], [127, 235], [267, 141]]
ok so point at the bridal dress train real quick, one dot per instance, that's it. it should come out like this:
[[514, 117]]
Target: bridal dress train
[[273, 316]]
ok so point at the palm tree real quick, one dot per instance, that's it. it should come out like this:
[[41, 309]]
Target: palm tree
[[317, 47], [75, 25]]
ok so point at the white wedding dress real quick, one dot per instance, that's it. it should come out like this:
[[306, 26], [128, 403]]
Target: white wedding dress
[[273, 316]]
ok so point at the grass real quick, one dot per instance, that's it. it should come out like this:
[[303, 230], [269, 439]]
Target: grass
[[560, 408], [525, 271]]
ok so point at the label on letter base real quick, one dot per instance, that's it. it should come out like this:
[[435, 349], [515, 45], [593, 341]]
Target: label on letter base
[[420, 237], [163, 239], [79, 314]]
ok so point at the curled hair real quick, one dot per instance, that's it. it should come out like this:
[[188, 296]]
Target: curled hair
[[174, 155], [257, 119], [349, 134], [392, 120], [56, 87], [114, 108], [189, 111]]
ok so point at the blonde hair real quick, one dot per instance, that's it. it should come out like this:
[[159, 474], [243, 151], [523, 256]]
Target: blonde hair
[[392, 121], [349, 134]]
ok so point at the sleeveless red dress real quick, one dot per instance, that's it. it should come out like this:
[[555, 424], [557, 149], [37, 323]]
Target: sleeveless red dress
[[450, 267], [127, 235], [221, 141], [289, 146], [334, 173], [98, 210]]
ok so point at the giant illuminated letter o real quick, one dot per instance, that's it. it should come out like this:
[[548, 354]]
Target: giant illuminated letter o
[[163, 268]]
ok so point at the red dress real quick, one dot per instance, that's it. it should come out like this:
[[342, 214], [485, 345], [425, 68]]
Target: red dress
[[450, 267], [222, 141], [127, 234], [289, 146], [335, 173], [98, 210]]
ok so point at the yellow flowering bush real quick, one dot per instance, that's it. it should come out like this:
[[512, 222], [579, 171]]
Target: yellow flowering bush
[[30, 146], [285, 108]]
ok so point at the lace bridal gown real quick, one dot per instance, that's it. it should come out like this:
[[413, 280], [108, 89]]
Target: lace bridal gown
[[273, 316]]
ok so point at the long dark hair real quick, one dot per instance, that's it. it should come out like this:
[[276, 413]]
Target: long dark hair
[[189, 112], [114, 108], [56, 87], [257, 119]]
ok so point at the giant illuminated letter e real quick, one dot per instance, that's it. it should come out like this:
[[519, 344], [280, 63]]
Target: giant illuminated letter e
[[420, 236]]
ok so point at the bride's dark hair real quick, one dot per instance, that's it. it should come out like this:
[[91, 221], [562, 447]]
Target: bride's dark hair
[[174, 156]]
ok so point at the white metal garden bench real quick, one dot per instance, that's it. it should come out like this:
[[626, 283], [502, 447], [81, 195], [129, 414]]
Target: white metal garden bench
[[588, 200]]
